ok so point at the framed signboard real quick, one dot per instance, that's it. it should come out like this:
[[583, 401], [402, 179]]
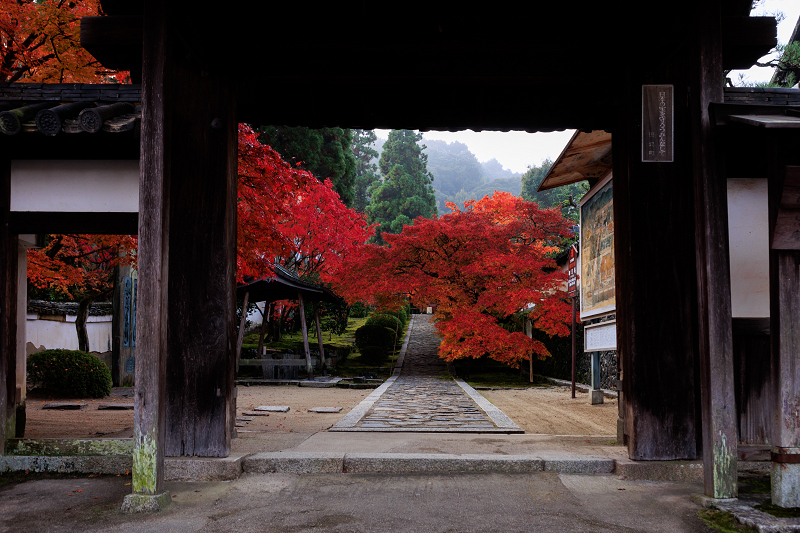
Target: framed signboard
[[657, 123], [600, 337], [597, 287]]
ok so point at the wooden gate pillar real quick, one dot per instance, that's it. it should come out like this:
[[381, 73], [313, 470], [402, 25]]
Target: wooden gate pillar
[[187, 250], [655, 284], [715, 350], [784, 262], [8, 312]]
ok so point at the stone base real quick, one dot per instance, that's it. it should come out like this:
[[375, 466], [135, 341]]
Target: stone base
[[708, 502], [786, 484], [596, 397], [146, 503]]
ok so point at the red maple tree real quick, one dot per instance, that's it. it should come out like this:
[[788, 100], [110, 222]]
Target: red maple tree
[[479, 266], [288, 217], [80, 267], [40, 42]]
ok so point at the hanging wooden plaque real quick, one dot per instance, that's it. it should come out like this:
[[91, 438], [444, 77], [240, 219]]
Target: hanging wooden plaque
[[657, 123]]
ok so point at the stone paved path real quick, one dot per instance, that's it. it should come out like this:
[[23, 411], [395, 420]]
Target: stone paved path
[[424, 397]]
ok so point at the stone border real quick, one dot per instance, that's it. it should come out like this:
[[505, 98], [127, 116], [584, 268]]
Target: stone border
[[500, 419], [402, 356], [300, 463], [352, 418]]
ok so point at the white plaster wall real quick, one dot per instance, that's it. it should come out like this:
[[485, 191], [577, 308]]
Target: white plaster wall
[[75, 186], [748, 227], [59, 332]]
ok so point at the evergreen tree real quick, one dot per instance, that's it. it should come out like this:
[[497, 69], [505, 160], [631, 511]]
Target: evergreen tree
[[325, 152], [366, 170], [405, 191]]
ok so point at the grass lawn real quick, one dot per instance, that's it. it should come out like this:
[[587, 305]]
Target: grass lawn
[[487, 372]]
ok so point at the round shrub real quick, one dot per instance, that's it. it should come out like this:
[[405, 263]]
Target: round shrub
[[374, 335], [70, 373], [384, 320]]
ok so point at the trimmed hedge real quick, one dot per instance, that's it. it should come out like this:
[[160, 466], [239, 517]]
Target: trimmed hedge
[[385, 320], [374, 335], [70, 373]]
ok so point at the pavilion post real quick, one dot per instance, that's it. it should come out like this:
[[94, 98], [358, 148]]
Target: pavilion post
[[715, 329], [309, 367], [242, 322], [319, 339], [265, 316]]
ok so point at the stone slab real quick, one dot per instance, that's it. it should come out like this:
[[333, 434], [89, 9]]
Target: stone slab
[[60, 447], [93, 464], [294, 463], [660, 470], [396, 463], [255, 413], [203, 468], [64, 406], [245, 418], [272, 408], [325, 410], [584, 465], [115, 407], [318, 384], [240, 424]]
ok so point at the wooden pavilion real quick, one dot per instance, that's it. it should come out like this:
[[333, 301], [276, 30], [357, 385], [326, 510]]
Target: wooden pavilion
[[437, 65]]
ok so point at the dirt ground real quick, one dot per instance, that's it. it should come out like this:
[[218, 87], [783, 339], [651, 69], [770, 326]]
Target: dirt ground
[[548, 411]]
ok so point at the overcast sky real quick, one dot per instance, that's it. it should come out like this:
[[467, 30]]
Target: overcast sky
[[517, 150]]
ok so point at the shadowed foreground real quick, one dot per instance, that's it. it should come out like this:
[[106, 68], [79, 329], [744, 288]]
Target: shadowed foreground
[[349, 502]]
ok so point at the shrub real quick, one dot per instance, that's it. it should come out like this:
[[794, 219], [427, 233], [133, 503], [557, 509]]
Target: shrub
[[374, 335], [373, 354], [70, 373], [385, 320]]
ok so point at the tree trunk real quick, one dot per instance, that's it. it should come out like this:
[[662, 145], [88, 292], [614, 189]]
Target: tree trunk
[[83, 314]]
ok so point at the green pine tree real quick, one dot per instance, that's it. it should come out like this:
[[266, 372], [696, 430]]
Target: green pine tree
[[405, 191], [325, 152], [366, 170]]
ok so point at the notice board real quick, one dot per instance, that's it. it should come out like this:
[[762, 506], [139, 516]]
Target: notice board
[[597, 281]]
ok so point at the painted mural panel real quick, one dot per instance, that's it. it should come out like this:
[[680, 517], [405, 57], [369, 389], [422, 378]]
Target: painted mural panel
[[597, 253]]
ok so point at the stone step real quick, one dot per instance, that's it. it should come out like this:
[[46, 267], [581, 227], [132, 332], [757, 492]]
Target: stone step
[[397, 463]]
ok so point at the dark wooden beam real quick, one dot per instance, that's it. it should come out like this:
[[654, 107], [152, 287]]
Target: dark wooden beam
[[715, 350], [52, 222]]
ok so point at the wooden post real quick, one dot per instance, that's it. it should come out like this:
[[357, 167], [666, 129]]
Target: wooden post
[[656, 293], [784, 318], [574, 370], [715, 330], [309, 368], [153, 251], [265, 316], [8, 312], [240, 337], [319, 340]]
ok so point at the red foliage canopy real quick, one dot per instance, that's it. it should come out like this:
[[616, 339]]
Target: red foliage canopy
[[479, 266], [288, 216], [40, 42]]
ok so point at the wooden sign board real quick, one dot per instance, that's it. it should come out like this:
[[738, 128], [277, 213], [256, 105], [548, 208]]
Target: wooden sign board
[[600, 337], [657, 123], [572, 272]]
